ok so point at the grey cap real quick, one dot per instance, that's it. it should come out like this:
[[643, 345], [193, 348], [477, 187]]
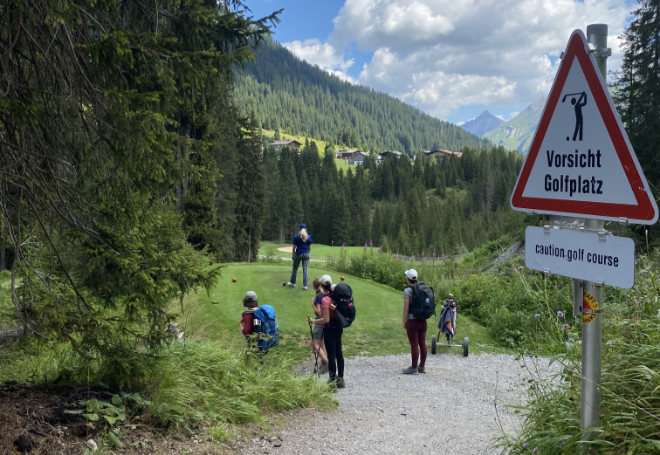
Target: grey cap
[[325, 279], [411, 274], [250, 296]]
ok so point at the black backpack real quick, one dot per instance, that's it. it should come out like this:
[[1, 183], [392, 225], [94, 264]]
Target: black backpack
[[422, 303], [342, 296]]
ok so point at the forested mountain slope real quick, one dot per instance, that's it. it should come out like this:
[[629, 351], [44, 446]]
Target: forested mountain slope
[[404, 206], [288, 94]]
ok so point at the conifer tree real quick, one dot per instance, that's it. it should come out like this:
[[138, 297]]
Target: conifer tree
[[99, 128], [638, 87], [250, 187]]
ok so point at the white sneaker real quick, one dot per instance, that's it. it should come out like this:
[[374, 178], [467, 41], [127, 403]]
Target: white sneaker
[[304, 288], [290, 284]]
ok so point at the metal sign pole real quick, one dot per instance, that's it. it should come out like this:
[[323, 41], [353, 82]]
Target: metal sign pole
[[592, 292]]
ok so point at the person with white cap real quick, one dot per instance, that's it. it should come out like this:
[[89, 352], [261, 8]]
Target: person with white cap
[[302, 244], [332, 332], [415, 328]]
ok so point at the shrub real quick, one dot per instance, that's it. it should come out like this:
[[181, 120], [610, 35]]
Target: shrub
[[629, 389]]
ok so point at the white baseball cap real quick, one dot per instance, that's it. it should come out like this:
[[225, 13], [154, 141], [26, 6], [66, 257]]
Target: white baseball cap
[[325, 280], [411, 274]]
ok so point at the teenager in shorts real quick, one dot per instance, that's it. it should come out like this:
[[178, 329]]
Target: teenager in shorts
[[317, 330]]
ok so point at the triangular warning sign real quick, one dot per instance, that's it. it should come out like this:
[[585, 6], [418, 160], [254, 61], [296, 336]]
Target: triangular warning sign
[[581, 162]]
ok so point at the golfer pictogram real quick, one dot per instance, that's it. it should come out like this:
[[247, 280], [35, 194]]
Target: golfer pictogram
[[578, 100]]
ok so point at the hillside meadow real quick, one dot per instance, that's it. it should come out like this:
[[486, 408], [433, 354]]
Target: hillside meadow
[[269, 135], [377, 329]]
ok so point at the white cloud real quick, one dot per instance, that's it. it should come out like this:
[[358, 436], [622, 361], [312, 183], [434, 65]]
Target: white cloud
[[440, 55], [324, 55]]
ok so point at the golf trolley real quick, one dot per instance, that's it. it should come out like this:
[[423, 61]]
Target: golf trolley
[[447, 325]]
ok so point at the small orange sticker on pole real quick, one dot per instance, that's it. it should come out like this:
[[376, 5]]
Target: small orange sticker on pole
[[589, 308]]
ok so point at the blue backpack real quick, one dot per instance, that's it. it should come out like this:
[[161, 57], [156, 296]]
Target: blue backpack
[[265, 326]]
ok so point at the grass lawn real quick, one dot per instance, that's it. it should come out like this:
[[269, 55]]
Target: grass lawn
[[377, 329], [318, 251]]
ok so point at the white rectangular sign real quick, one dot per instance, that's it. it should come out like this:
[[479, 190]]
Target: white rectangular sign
[[583, 255]]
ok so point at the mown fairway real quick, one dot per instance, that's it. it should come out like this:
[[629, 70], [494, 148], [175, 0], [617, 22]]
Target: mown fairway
[[319, 252], [377, 329]]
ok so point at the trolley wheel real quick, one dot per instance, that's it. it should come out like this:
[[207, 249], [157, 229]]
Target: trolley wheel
[[433, 344], [466, 343]]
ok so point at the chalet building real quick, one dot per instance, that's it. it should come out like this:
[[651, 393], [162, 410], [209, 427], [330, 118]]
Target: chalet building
[[385, 155], [439, 154], [346, 154], [357, 159], [292, 144]]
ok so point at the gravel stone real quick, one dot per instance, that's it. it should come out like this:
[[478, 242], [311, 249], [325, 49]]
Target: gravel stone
[[458, 406]]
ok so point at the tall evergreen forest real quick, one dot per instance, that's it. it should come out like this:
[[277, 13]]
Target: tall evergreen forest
[[412, 207]]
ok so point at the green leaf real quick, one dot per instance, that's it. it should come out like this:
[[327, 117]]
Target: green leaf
[[91, 417], [110, 419]]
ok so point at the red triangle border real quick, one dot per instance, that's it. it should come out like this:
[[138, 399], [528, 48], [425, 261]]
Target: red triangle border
[[645, 212]]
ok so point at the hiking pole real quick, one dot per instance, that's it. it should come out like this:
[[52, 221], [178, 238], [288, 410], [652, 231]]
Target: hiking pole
[[316, 354]]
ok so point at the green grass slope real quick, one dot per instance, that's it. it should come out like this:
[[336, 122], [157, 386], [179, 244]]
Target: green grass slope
[[377, 329]]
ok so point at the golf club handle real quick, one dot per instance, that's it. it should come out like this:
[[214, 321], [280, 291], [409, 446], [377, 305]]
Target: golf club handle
[[570, 94]]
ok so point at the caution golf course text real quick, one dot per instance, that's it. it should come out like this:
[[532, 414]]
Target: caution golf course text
[[583, 255], [579, 254]]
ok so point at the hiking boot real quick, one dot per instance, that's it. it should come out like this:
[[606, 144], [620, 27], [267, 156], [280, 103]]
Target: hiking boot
[[421, 369], [340, 383], [290, 284], [323, 368], [410, 370]]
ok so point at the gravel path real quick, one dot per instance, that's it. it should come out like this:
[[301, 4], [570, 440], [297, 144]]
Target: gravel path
[[457, 407]]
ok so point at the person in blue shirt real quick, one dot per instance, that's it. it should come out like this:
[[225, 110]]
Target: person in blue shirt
[[302, 243]]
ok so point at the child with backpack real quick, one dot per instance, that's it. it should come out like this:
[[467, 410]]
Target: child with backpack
[[258, 323], [332, 332]]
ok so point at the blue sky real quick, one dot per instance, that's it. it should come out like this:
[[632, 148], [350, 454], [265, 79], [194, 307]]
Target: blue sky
[[452, 59]]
